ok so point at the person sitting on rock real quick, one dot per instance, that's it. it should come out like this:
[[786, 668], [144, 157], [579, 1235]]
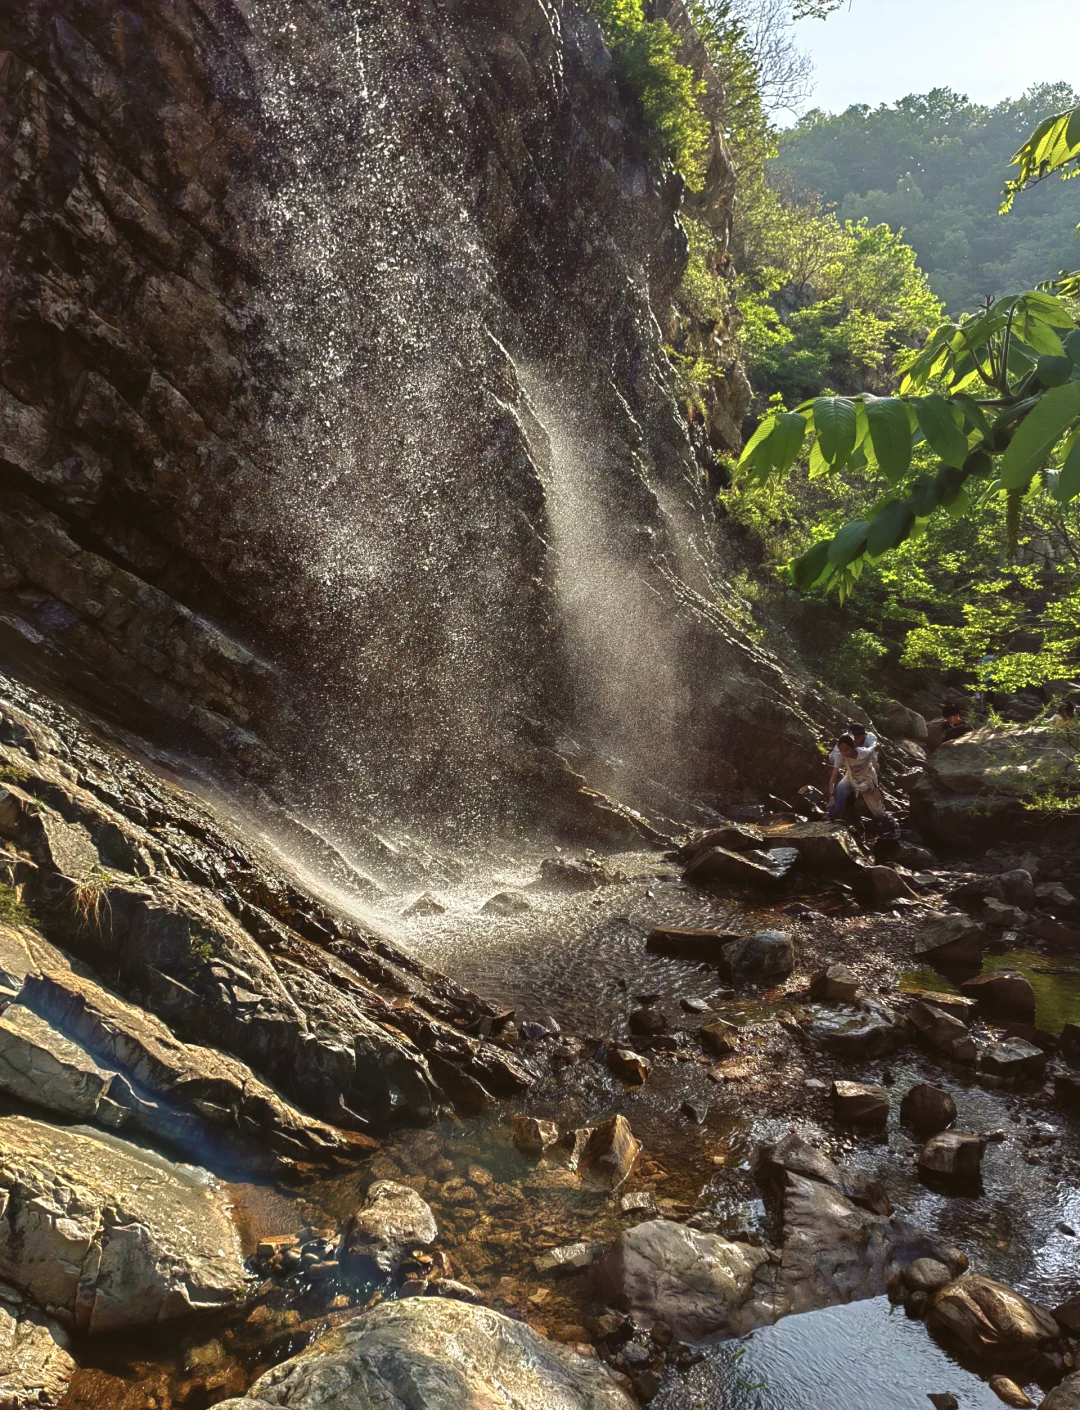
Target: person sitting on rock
[[839, 788], [1066, 714], [857, 767], [955, 725]]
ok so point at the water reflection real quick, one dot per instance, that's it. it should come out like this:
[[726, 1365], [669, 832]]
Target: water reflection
[[859, 1357]]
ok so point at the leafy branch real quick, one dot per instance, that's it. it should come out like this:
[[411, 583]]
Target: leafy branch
[[996, 397]]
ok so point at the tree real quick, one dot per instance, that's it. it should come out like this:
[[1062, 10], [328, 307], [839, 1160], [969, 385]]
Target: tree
[[995, 397]]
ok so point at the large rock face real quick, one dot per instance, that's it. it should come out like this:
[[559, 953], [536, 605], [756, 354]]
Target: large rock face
[[333, 390], [436, 1354], [115, 1236], [35, 1364]]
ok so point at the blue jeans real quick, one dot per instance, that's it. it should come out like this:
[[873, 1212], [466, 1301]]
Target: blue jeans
[[840, 798]]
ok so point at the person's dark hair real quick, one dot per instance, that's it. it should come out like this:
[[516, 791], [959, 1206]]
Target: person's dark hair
[[1068, 708], [845, 739], [853, 727]]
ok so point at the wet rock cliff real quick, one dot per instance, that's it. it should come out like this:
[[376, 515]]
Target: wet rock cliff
[[335, 423]]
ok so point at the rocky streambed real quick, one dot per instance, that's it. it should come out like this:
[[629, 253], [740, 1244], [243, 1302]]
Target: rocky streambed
[[241, 1125]]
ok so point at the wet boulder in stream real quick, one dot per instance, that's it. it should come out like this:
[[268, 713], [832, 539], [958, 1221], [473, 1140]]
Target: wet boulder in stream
[[393, 1221], [835, 984], [1015, 1060], [989, 1320], [434, 1353], [942, 1032], [1004, 992], [532, 1136], [927, 1108], [953, 1155], [604, 1155], [860, 1103], [718, 865], [950, 939], [762, 958], [1065, 1396]]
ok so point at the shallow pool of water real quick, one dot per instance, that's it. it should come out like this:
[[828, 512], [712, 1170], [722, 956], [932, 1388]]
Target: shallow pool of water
[[863, 1356], [1054, 978]]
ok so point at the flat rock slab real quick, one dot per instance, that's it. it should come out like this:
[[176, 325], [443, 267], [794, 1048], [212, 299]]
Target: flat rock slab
[[433, 1353], [35, 1360], [706, 946], [822, 846], [116, 1236], [1014, 1059], [739, 868]]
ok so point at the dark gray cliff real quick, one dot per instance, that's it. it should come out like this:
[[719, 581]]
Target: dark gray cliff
[[335, 422]]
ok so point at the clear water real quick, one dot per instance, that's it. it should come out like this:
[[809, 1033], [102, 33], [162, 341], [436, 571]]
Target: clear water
[[864, 1356]]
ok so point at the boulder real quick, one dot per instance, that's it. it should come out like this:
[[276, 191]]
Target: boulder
[[973, 889], [877, 886], [860, 1103], [706, 946], [628, 1065], [569, 1258], [1001, 914], [1056, 933], [435, 1353], [115, 1236], [927, 1109], [1014, 1059], [717, 865], [425, 905], [822, 846], [791, 1155], [700, 1285], [647, 1021], [734, 837], [1009, 1393], [1067, 1090], [762, 958], [950, 939], [836, 984], [532, 1136], [1019, 888], [835, 1253], [1067, 1314], [990, 1320], [963, 1009], [1003, 991], [392, 1222], [927, 1275], [955, 1155], [719, 1036], [905, 723], [605, 1154], [1065, 1396], [582, 874], [35, 1358], [874, 1032], [942, 1032], [1054, 896], [506, 903]]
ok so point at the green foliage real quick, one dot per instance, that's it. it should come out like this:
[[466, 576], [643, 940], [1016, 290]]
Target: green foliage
[[13, 773], [932, 166], [1016, 429], [645, 53], [12, 910]]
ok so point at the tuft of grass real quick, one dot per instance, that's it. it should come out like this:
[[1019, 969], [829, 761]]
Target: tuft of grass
[[90, 899], [13, 773], [12, 910]]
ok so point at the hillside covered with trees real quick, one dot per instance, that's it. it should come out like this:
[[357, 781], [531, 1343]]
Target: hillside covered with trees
[[933, 165]]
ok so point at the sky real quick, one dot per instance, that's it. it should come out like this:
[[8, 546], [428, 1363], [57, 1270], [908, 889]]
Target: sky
[[875, 51]]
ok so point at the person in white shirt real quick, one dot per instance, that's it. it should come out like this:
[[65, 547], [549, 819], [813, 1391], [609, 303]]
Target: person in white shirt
[[839, 787], [858, 775]]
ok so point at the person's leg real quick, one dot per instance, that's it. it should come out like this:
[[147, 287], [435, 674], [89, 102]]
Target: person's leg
[[874, 801], [840, 799]]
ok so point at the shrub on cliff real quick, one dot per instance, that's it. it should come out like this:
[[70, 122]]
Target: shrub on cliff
[[650, 75]]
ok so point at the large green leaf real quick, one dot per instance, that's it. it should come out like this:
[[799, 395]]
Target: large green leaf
[[1068, 480], [925, 497], [1072, 347], [834, 421], [1038, 434], [849, 543], [753, 446], [940, 422], [809, 566], [890, 435], [786, 441], [974, 414], [1053, 371], [890, 528]]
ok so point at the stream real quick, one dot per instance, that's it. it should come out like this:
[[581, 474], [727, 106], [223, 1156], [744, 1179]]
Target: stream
[[578, 961]]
